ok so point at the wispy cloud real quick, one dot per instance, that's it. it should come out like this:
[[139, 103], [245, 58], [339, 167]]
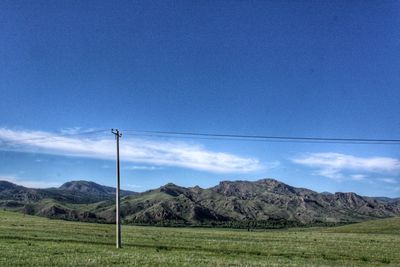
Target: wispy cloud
[[142, 168], [332, 165], [358, 177], [146, 151], [390, 180], [73, 130], [133, 186], [272, 164], [28, 183]]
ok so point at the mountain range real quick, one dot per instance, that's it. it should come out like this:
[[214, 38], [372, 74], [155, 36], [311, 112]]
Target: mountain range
[[266, 203]]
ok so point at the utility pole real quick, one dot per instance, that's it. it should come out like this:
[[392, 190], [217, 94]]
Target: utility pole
[[117, 198]]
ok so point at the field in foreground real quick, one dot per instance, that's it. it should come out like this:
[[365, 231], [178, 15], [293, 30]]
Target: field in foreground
[[34, 241]]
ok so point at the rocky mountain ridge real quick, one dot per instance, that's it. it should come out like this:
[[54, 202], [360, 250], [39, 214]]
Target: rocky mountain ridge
[[262, 203]]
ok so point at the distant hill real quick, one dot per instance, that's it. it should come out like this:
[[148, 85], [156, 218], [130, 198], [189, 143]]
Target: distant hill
[[92, 189], [69, 201], [382, 226], [76, 192], [263, 203]]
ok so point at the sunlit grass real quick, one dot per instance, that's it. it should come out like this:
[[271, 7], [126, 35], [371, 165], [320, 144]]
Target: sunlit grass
[[27, 240]]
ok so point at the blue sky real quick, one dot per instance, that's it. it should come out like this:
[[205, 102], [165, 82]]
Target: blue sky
[[292, 68]]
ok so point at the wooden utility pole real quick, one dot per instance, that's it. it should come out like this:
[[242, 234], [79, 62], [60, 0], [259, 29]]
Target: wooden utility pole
[[117, 198]]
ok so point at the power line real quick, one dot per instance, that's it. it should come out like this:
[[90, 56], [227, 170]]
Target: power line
[[217, 136], [262, 138], [256, 140]]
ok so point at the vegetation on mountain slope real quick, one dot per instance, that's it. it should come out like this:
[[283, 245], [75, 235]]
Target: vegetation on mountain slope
[[265, 203]]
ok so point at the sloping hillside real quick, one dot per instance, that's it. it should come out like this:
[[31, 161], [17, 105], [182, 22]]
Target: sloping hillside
[[263, 204], [389, 226], [73, 200], [262, 201]]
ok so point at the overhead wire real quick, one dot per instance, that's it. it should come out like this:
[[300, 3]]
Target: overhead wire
[[261, 138], [220, 137]]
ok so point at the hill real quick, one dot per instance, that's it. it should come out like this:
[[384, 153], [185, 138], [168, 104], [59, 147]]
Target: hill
[[263, 203], [71, 200], [73, 191], [266, 203], [381, 226]]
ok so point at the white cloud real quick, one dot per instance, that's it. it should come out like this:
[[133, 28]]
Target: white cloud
[[330, 173], [332, 165], [134, 186], [73, 130], [358, 177], [389, 180], [342, 161], [272, 165], [28, 183], [142, 168], [159, 153]]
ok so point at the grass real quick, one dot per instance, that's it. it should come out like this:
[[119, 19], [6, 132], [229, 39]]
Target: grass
[[34, 241], [386, 226]]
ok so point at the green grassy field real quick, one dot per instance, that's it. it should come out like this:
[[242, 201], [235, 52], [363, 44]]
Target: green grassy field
[[34, 241]]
